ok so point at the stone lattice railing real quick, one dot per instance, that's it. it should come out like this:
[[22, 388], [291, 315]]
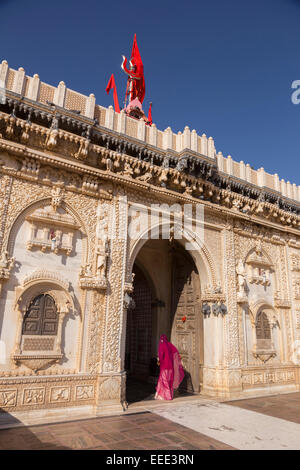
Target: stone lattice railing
[[32, 88]]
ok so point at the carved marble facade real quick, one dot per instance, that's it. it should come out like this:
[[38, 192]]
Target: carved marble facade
[[66, 206]]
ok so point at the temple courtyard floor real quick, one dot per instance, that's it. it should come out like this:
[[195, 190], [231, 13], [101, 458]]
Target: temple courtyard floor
[[186, 423]]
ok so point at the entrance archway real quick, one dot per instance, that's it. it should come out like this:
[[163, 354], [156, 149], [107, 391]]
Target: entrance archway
[[167, 300]]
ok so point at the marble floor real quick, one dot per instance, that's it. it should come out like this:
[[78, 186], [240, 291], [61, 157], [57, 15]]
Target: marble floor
[[136, 431], [186, 423]]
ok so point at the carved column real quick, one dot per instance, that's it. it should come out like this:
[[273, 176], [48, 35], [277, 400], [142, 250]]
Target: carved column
[[232, 384], [17, 349], [112, 380]]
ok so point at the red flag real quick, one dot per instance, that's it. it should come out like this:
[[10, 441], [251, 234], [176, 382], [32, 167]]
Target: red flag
[[150, 115], [112, 85], [138, 84]]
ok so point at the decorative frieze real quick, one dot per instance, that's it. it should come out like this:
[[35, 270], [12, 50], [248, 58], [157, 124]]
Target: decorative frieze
[[261, 378], [84, 392], [295, 262], [8, 398], [34, 396], [60, 394], [42, 393], [296, 286], [51, 230]]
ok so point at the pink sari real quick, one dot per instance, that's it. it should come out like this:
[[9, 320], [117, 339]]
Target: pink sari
[[171, 370]]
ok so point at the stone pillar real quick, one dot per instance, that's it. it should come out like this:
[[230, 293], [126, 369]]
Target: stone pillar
[[186, 138], [60, 94], [294, 192], [19, 81], [179, 145], [194, 141], [283, 187], [90, 106], [204, 144], [248, 173], [122, 122], [242, 170], [232, 371], [167, 138], [211, 148], [109, 117], [17, 349], [112, 379], [153, 135], [220, 160], [34, 86], [3, 73], [289, 189], [261, 177], [229, 165], [276, 182]]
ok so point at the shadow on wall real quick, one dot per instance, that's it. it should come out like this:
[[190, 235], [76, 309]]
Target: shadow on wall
[[20, 437]]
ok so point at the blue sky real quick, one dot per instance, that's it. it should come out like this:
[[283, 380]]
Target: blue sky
[[221, 67]]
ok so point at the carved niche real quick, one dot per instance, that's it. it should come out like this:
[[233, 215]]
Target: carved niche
[[258, 266], [51, 229], [42, 302], [96, 278], [6, 266]]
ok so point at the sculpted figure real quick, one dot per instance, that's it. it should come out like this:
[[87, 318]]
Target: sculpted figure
[[4, 259], [102, 256], [128, 171], [240, 269]]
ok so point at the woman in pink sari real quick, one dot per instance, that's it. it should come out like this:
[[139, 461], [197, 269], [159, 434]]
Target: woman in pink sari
[[171, 370]]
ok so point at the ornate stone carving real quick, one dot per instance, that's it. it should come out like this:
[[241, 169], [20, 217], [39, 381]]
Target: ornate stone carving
[[231, 321], [33, 396], [38, 362], [296, 286], [102, 252], [41, 282], [31, 167], [83, 150], [264, 356], [8, 398], [259, 266], [51, 230], [52, 135], [295, 262], [241, 273], [60, 394], [58, 195], [85, 392]]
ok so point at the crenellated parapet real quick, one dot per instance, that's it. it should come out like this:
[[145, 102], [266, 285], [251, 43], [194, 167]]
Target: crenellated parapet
[[85, 107]]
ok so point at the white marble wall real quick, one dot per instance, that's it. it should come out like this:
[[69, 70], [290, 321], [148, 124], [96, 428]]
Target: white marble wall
[[27, 262]]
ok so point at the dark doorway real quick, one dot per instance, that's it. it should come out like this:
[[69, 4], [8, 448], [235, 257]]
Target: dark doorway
[[177, 313], [138, 357], [186, 317]]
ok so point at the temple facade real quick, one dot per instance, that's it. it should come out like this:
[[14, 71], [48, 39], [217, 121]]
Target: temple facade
[[114, 232]]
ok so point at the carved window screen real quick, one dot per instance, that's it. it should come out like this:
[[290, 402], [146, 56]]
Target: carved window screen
[[41, 317], [263, 330]]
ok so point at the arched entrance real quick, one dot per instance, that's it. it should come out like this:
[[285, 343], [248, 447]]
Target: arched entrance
[[167, 301], [186, 316]]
